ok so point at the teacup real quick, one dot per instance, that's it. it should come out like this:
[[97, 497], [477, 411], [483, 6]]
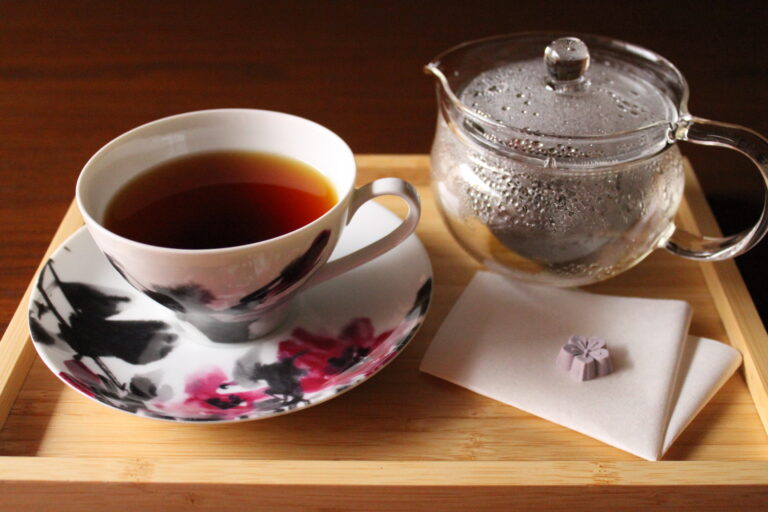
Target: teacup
[[237, 293]]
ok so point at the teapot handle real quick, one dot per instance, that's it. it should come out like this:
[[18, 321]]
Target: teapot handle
[[747, 142]]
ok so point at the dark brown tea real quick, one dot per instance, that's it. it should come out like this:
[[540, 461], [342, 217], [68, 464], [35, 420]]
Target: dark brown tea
[[219, 199]]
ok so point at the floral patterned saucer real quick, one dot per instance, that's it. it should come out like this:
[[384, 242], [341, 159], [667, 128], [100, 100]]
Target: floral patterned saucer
[[117, 346]]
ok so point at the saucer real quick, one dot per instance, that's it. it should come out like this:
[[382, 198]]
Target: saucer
[[117, 346]]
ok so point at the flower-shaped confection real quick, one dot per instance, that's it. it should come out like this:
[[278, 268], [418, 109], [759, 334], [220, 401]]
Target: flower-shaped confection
[[584, 358]]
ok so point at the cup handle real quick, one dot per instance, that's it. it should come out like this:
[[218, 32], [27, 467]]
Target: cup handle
[[376, 188], [747, 142]]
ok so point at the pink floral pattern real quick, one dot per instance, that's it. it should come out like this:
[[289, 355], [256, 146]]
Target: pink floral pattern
[[210, 393], [80, 377], [324, 358]]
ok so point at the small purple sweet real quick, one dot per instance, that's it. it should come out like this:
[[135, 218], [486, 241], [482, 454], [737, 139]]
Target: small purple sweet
[[584, 358]]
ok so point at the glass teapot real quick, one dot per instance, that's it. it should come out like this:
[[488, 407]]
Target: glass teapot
[[555, 158]]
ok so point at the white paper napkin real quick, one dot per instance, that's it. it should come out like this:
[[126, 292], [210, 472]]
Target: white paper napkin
[[502, 338]]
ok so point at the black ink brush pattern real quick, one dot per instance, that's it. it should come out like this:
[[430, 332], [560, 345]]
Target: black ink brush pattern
[[90, 332], [292, 274], [191, 300]]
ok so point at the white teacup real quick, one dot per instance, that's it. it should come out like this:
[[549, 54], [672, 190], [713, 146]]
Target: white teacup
[[235, 293]]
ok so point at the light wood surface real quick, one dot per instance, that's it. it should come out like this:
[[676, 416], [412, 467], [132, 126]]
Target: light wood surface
[[16, 355], [402, 437], [742, 322]]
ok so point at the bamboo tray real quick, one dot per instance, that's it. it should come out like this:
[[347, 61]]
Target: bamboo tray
[[403, 439]]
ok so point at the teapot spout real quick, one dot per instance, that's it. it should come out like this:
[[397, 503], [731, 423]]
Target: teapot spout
[[437, 72], [440, 72], [433, 69], [455, 67]]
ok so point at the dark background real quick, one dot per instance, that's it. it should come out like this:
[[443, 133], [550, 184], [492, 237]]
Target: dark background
[[73, 75]]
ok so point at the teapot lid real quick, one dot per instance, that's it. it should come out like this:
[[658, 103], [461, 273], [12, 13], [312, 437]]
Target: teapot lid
[[564, 97]]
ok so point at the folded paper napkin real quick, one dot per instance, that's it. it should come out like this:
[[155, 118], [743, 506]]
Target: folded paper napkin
[[502, 340]]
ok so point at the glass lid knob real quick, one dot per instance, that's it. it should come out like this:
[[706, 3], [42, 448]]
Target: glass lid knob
[[567, 59]]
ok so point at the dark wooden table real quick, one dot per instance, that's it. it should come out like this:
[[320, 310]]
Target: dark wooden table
[[73, 75]]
